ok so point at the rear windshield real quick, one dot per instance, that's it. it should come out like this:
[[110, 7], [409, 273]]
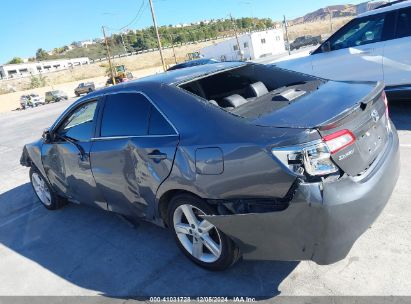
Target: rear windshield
[[252, 90]]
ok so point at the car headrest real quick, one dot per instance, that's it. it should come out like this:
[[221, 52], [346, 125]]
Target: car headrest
[[233, 101], [213, 102], [258, 89]]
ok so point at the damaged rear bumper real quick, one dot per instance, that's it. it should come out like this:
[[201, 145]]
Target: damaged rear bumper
[[322, 221]]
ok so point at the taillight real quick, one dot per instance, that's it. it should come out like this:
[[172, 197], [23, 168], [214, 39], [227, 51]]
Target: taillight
[[314, 158], [317, 160], [339, 140], [384, 97]]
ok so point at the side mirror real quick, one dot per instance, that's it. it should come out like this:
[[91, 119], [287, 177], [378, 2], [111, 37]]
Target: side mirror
[[326, 47], [46, 136]]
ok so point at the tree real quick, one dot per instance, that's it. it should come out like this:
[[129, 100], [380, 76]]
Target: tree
[[15, 60], [38, 81], [41, 55]]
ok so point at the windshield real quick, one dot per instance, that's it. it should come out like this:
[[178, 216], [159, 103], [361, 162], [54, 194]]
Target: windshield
[[359, 32]]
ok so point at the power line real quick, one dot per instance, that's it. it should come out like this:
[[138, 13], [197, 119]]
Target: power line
[[138, 15]]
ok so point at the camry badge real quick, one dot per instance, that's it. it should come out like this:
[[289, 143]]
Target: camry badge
[[375, 116]]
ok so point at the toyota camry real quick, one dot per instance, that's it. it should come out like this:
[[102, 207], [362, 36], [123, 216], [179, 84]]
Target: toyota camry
[[239, 160]]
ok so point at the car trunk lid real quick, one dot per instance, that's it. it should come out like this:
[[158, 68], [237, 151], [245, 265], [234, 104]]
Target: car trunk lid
[[369, 122], [335, 106]]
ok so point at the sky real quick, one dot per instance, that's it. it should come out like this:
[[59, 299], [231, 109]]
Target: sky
[[26, 25]]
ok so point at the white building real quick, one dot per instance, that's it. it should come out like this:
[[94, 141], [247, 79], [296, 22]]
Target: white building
[[252, 46], [41, 67], [84, 43]]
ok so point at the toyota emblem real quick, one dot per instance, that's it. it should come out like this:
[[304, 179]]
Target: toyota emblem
[[375, 116]]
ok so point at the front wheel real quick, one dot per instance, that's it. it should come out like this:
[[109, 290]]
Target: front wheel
[[200, 240], [44, 192]]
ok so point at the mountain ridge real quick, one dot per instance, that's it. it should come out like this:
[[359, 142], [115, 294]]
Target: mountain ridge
[[336, 11]]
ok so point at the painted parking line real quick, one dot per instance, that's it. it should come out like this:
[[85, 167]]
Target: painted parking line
[[20, 216]]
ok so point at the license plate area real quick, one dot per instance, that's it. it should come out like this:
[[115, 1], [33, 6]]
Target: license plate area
[[371, 140]]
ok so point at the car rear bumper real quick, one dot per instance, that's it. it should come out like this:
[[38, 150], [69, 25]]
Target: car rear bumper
[[322, 221]]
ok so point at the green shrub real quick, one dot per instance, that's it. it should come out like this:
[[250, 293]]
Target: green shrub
[[38, 81]]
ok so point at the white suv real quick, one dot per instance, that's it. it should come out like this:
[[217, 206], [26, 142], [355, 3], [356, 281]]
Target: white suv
[[374, 46]]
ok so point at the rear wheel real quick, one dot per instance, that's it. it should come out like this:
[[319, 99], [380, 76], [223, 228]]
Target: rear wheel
[[199, 240], [44, 192]]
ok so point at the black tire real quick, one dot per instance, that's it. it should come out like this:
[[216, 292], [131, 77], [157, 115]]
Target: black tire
[[55, 201], [230, 254], [90, 90], [77, 94]]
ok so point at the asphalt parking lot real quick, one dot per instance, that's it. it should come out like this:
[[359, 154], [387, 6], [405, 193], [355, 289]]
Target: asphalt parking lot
[[83, 251]]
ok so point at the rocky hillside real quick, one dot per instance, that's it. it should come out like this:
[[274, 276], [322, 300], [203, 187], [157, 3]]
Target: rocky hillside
[[337, 11]]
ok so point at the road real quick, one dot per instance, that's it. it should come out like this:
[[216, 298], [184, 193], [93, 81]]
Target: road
[[83, 251]]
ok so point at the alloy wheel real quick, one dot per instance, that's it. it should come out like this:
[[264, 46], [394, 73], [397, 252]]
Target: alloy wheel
[[41, 188], [199, 237]]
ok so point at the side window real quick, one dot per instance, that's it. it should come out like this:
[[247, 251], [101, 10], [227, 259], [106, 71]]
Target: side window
[[79, 125], [404, 23], [125, 114], [358, 32], [158, 124]]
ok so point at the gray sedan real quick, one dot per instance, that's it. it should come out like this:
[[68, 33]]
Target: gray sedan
[[237, 159]]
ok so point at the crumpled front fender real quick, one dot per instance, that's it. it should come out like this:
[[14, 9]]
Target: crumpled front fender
[[31, 155]]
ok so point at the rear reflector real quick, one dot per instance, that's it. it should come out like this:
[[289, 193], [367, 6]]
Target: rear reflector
[[384, 96], [339, 140]]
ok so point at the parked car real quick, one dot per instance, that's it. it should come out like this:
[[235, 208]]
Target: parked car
[[55, 96], [30, 101], [305, 41], [255, 161], [373, 46], [192, 63], [84, 88]]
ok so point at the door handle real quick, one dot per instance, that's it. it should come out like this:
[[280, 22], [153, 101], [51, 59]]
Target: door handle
[[83, 157], [156, 154], [365, 52], [83, 161]]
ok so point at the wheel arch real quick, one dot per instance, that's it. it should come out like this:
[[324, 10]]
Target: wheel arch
[[165, 199], [32, 156]]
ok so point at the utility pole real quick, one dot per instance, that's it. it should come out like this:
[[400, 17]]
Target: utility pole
[[122, 42], [172, 45], [331, 21], [109, 56], [236, 37], [286, 36], [158, 35]]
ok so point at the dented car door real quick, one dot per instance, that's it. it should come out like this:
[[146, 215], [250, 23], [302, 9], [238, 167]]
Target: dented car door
[[132, 157]]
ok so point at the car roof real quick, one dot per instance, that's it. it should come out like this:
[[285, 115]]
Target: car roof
[[386, 8], [175, 77]]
